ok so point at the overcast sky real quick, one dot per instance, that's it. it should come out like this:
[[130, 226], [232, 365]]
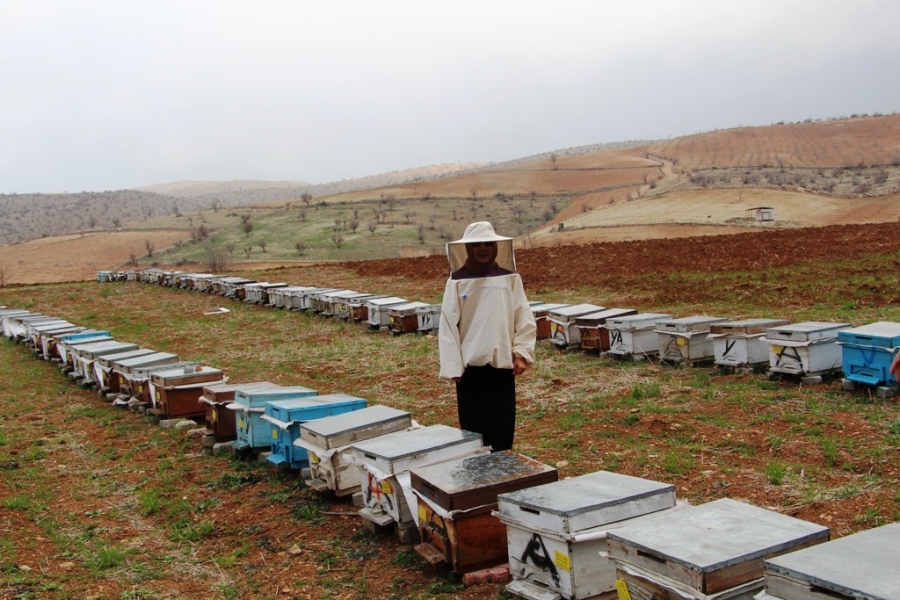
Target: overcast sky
[[101, 95]]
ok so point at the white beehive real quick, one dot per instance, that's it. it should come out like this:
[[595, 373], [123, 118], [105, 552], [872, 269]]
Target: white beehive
[[557, 532], [805, 348], [634, 336], [686, 341], [563, 332], [742, 343]]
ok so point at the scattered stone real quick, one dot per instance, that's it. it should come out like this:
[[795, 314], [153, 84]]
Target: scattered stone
[[184, 425], [262, 456], [223, 448], [67, 565], [169, 423], [562, 464], [295, 550]]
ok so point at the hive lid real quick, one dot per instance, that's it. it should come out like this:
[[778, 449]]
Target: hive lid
[[603, 316], [155, 358], [717, 535], [884, 334], [862, 565], [474, 481], [386, 301], [638, 321], [547, 307], [575, 310], [747, 326], [407, 444], [409, 306], [807, 331], [109, 359], [356, 426]]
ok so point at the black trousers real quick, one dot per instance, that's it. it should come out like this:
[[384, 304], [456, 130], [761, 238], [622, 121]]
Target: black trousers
[[486, 400]]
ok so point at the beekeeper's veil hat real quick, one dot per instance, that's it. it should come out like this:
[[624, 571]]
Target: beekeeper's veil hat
[[482, 231]]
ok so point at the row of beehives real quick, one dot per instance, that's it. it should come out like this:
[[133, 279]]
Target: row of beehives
[[809, 350], [380, 311], [583, 537]]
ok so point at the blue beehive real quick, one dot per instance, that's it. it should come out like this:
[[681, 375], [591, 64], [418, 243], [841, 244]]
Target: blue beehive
[[867, 352], [250, 404], [286, 416]]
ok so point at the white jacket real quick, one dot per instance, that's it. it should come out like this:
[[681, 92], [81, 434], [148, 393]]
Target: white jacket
[[485, 321]]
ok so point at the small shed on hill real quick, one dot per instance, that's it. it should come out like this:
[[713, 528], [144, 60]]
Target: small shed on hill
[[760, 213]]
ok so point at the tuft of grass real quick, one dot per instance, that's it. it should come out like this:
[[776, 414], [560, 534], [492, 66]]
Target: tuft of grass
[[643, 391], [103, 557], [775, 473]]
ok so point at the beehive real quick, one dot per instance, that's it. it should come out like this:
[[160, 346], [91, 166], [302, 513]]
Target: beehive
[[714, 548], [805, 348], [357, 309], [49, 340], [286, 416], [541, 312], [385, 463], [85, 354], [250, 404], [176, 392], [455, 501], [403, 317], [867, 352], [634, 336], [219, 420], [563, 332], [126, 371], [378, 316], [741, 343], [428, 318], [59, 347], [103, 367], [328, 443], [306, 299], [592, 328], [862, 565], [320, 300], [685, 341], [556, 533]]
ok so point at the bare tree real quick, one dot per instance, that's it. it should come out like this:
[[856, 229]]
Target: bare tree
[[176, 211], [262, 245], [338, 238], [518, 210], [2, 275], [248, 250], [302, 214], [553, 159], [92, 221], [230, 248], [149, 245], [248, 227], [245, 218], [307, 198], [116, 222], [372, 227], [408, 214], [421, 233], [474, 193], [132, 258], [215, 205], [431, 220], [300, 247], [217, 259], [354, 225]]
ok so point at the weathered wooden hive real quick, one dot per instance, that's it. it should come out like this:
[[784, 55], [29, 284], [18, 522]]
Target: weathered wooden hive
[[250, 405], [15, 327], [59, 344], [541, 312], [357, 309], [556, 533], [328, 443], [592, 328], [403, 317], [86, 354], [685, 341], [634, 336], [428, 318], [304, 299], [104, 365], [563, 332], [344, 306], [104, 276], [863, 565], [867, 353], [48, 340], [67, 347], [711, 550], [456, 500], [742, 343], [385, 463], [176, 393], [127, 372], [234, 287], [37, 330], [265, 290], [286, 416], [319, 300], [809, 348], [336, 305], [282, 297], [220, 421], [378, 311]]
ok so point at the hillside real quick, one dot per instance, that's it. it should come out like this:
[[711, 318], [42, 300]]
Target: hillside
[[811, 174]]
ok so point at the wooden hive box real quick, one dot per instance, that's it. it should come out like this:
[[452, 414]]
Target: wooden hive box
[[219, 420], [298, 297], [428, 318], [86, 354], [741, 343], [234, 288], [863, 565], [34, 330], [685, 341], [541, 312], [176, 392], [385, 463], [124, 371], [284, 297], [634, 336], [328, 443], [16, 328], [805, 348], [104, 365], [867, 352], [358, 308], [50, 338], [455, 504], [339, 305], [264, 291], [307, 299], [592, 328], [64, 342], [563, 332], [403, 317], [556, 533], [318, 301], [286, 416], [714, 548], [378, 317], [250, 404]]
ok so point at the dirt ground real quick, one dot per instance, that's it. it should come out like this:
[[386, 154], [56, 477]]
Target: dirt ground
[[279, 556]]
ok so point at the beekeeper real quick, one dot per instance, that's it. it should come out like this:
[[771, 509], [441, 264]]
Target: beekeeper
[[487, 333]]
